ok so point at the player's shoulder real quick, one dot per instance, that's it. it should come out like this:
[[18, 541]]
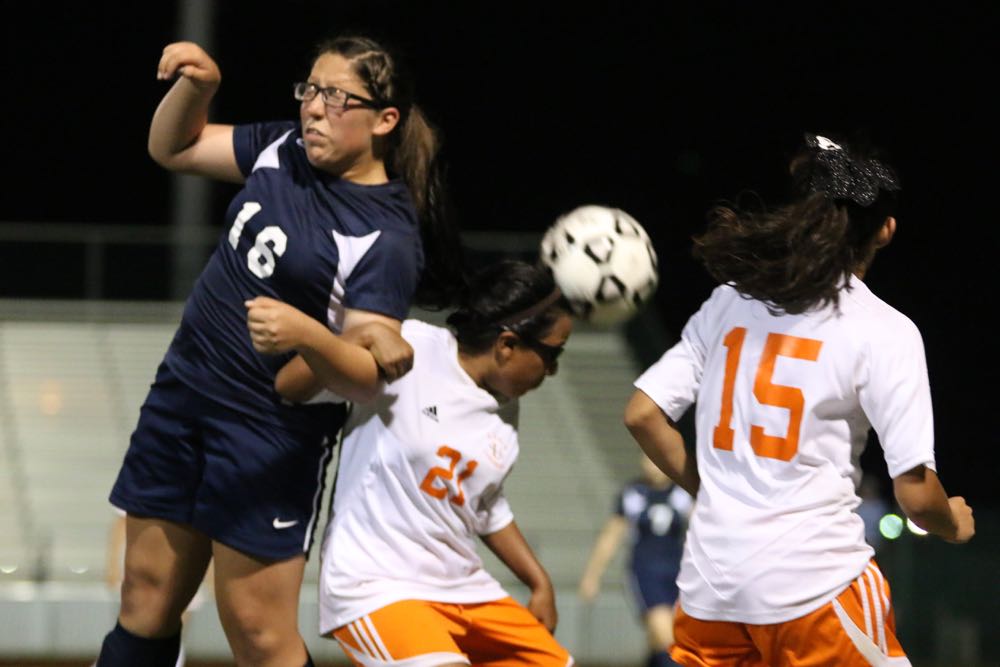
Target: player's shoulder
[[723, 294], [724, 299], [877, 318], [425, 332], [266, 145], [721, 306], [433, 346]]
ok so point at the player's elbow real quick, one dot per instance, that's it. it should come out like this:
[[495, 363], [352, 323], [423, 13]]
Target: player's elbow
[[920, 495], [921, 508], [169, 154], [641, 413], [161, 156]]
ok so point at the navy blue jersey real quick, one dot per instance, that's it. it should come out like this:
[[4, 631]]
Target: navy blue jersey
[[657, 520], [297, 234]]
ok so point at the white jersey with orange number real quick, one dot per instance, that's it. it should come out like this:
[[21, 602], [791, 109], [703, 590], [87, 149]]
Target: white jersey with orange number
[[420, 476], [784, 407]]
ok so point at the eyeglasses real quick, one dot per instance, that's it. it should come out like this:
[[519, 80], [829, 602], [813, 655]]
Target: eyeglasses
[[335, 98]]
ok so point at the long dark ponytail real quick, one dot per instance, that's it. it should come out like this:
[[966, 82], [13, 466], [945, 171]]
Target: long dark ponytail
[[413, 153]]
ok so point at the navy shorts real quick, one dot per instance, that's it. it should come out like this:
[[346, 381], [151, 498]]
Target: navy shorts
[[241, 481], [652, 586]]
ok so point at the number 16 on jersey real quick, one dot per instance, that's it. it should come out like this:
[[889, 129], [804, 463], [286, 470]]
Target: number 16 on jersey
[[262, 257]]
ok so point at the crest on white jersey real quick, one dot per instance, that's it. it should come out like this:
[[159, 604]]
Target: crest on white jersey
[[497, 450]]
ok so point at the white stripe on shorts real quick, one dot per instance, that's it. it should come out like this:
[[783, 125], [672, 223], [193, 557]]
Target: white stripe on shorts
[[866, 608], [881, 588], [866, 647], [373, 633], [426, 660], [879, 618], [324, 460], [361, 639]]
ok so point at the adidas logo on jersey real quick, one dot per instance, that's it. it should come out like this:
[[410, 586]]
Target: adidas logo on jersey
[[431, 411]]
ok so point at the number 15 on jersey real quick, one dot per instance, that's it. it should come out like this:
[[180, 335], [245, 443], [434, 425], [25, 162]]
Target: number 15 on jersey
[[766, 392]]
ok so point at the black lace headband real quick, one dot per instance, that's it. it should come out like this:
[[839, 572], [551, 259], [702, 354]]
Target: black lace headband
[[462, 318], [845, 177], [523, 316]]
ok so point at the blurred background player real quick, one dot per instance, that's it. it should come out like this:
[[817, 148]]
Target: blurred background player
[[791, 361], [331, 219], [652, 511], [421, 475]]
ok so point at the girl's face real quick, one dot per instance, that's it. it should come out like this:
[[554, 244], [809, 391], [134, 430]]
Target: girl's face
[[338, 139], [523, 364]]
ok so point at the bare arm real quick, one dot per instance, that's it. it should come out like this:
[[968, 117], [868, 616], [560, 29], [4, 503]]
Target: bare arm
[[923, 499], [344, 367], [296, 381], [605, 547], [180, 137], [510, 547], [659, 438]]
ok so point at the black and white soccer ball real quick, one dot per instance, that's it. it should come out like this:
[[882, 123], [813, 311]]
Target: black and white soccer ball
[[603, 261]]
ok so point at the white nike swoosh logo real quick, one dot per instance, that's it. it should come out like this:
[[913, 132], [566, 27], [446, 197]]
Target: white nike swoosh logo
[[279, 524]]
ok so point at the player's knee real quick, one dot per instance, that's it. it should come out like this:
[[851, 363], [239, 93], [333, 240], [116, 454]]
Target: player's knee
[[257, 645], [148, 607], [255, 634]]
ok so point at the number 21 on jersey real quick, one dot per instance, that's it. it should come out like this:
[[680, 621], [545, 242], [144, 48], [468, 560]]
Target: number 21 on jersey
[[766, 392], [429, 487]]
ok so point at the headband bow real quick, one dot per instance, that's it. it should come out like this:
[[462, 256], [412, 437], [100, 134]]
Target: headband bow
[[843, 177]]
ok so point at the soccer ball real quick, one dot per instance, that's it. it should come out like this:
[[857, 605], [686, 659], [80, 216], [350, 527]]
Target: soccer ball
[[603, 261]]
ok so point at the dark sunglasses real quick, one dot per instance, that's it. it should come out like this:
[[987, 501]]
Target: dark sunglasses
[[548, 353]]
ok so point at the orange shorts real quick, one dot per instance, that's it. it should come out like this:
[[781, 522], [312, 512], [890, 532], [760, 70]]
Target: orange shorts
[[856, 629], [424, 633]]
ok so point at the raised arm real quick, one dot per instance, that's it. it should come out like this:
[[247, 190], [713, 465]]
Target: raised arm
[[347, 365], [180, 136], [923, 499], [659, 438], [510, 547], [608, 541]]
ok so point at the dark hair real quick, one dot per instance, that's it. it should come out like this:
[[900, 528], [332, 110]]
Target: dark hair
[[800, 255], [413, 154], [507, 295]]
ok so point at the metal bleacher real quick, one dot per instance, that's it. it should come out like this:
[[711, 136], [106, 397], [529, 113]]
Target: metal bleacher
[[72, 378], [71, 391]]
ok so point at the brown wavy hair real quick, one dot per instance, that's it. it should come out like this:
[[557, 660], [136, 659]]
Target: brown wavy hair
[[798, 256]]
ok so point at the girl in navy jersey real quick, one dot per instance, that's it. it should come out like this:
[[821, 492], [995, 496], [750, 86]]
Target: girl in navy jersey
[[652, 511], [330, 220], [790, 363]]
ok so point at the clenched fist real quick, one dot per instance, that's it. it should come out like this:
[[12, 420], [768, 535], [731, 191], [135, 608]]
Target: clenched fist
[[189, 60], [275, 327]]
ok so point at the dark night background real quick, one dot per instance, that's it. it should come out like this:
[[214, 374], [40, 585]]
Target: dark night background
[[658, 108]]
